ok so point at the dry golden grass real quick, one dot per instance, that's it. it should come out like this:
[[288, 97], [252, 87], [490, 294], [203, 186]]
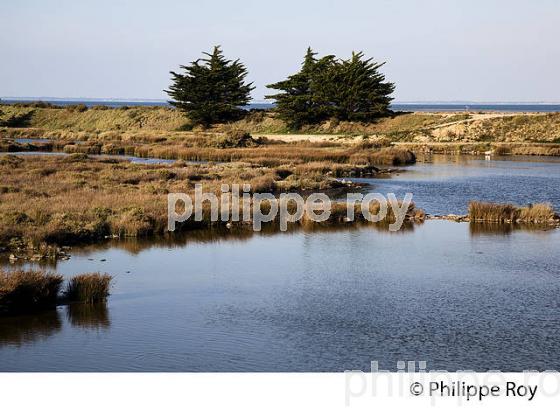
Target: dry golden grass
[[232, 146], [154, 124], [168, 119], [73, 199], [537, 213], [146, 118], [76, 198], [83, 199], [88, 288], [150, 123], [22, 291], [491, 212], [483, 211]]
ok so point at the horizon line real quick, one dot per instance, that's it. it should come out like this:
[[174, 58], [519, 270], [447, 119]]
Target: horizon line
[[262, 101]]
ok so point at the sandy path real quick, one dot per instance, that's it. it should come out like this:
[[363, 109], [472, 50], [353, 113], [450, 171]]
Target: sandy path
[[348, 139]]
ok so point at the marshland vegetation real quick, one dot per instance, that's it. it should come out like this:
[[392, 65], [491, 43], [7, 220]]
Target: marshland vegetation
[[48, 201], [507, 213], [24, 291], [75, 198], [80, 197], [88, 288], [515, 134]]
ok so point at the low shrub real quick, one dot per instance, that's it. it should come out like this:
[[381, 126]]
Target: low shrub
[[22, 291], [236, 138], [77, 107], [537, 213], [491, 212], [88, 288], [392, 156]]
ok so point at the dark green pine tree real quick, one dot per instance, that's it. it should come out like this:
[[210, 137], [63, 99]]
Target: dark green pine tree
[[294, 102], [324, 88], [211, 90], [363, 94]]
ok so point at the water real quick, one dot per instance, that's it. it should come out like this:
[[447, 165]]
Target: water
[[428, 107], [476, 107], [41, 141], [448, 183], [116, 103], [32, 140], [309, 301], [134, 160], [458, 296]]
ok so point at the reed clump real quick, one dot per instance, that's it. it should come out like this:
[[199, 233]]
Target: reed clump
[[537, 213], [508, 213], [491, 212], [88, 288], [393, 156], [23, 291]]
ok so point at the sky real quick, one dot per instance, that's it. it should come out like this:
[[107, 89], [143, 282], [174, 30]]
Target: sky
[[435, 50]]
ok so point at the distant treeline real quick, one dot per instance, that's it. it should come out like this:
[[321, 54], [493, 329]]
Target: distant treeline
[[212, 90]]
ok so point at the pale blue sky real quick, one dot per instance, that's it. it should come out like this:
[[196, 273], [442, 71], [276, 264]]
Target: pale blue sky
[[436, 50]]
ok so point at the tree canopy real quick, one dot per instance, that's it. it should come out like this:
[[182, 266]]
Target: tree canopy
[[211, 89], [328, 87]]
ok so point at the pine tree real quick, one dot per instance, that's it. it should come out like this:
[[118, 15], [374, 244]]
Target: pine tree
[[364, 94], [211, 90], [352, 90], [295, 103]]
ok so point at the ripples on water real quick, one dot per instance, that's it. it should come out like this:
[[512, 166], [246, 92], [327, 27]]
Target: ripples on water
[[310, 301], [446, 184], [458, 296]]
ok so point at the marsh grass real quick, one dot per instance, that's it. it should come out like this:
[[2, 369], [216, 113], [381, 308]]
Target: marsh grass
[[492, 212], [88, 288], [48, 116], [77, 199], [22, 291], [149, 123], [537, 213], [392, 156]]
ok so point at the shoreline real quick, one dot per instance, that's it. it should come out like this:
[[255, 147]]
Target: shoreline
[[81, 197], [54, 252]]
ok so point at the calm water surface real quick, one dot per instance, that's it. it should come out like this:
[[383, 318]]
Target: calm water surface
[[32, 140], [133, 159], [458, 296], [446, 184]]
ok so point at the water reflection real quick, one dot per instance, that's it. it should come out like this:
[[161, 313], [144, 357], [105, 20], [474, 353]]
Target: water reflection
[[214, 235], [313, 301], [446, 184], [21, 330], [24, 329], [88, 316], [130, 158], [503, 229]]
